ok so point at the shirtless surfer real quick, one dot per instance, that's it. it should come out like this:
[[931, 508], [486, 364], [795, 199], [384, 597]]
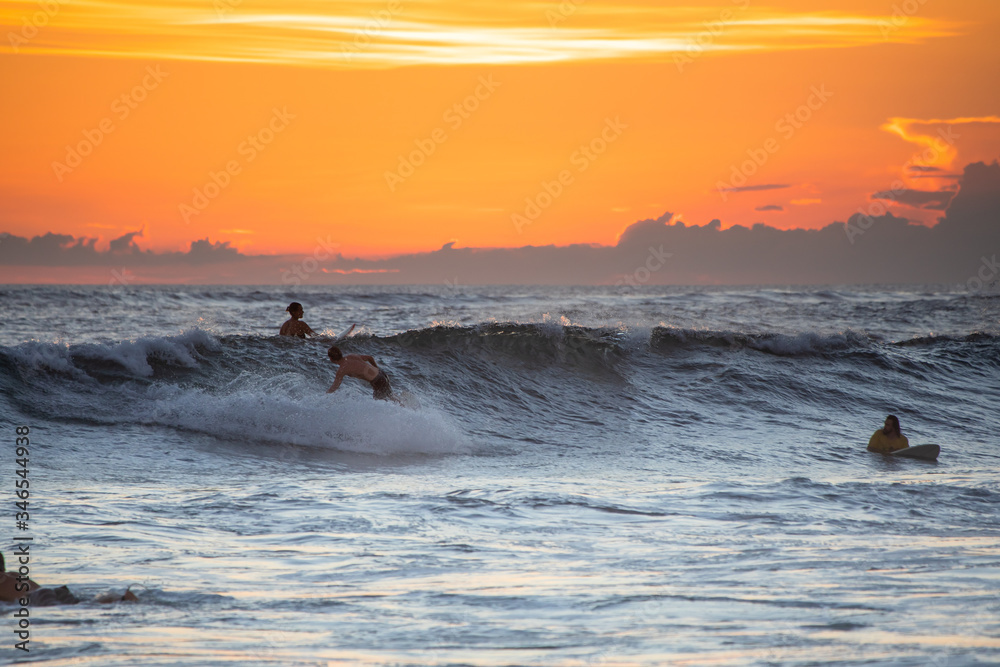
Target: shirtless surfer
[[363, 367], [294, 326], [888, 439]]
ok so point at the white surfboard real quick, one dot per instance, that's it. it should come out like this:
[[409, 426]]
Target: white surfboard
[[344, 334], [924, 452]]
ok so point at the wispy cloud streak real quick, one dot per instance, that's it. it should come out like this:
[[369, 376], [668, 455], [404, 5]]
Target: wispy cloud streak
[[925, 134], [312, 33]]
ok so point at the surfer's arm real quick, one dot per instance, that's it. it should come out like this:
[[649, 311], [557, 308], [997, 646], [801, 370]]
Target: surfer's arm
[[336, 381], [307, 330]]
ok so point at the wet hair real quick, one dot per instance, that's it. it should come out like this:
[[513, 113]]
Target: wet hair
[[895, 424], [294, 305], [335, 354]]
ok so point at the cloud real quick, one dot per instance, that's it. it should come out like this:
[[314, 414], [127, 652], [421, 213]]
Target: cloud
[[339, 34], [950, 177], [63, 250], [935, 200], [125, 244], [974, 213], [865, 249], [841, 252], [756, 188], [936, 147], [347, 272], [47, 249], [770, 207], [204, 251]]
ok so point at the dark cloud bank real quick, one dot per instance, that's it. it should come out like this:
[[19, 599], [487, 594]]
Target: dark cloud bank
[[64, 250], [961, 248]]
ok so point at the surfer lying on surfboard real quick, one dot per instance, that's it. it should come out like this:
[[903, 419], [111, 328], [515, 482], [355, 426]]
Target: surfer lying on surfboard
[[888, 439], [363, 367]]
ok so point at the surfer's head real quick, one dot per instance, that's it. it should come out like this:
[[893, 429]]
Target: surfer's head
[[892, 425], [335, 354], [3, 565], [294, 309]]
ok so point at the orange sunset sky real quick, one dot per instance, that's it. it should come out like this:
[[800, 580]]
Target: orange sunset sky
[[116, 116]]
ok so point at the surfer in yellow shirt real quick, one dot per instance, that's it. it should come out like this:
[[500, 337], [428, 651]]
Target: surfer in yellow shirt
[[888, 439]]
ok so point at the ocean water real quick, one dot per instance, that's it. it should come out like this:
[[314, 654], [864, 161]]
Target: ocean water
[[589, 476]]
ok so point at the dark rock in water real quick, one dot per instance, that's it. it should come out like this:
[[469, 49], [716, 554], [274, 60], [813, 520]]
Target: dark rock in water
[[50, 597]]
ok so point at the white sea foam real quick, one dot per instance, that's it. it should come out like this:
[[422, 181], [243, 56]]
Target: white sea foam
[[344, 421], [35, 356]]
